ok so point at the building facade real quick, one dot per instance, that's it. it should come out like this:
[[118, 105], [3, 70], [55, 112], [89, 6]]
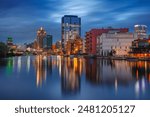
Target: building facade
[[71, 27], [91, 38], [116, 44], [140, 48], [41, 34], [140, 31], [47, 42]]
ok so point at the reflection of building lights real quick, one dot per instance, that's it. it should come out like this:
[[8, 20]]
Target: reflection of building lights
[[19, 63], [145, 66], [28, 63], [38, 70], [143, 85], [137, 74], [75, 63], [80, 66], [116, 85], [44, 58], [137, 88], [41, 67], [14, 63], [10, 65], [59, 63]]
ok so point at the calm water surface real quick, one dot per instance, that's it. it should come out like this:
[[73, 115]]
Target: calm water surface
[[55, 77]]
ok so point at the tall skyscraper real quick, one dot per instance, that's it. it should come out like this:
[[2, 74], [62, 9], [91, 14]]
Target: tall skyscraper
[[41, 34], [71, 27], [140, 31]]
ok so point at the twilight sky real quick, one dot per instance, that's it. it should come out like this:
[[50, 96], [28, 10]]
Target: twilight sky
[[21, 19]]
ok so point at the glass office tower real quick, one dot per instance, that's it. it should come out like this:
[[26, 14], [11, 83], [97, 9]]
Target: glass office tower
[[71, 28]]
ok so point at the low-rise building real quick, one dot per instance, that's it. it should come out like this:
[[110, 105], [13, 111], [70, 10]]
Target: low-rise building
[[140, 48], [91, 36], [113, 43]]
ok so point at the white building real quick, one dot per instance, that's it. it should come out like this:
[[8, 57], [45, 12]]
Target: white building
[[117, 44]]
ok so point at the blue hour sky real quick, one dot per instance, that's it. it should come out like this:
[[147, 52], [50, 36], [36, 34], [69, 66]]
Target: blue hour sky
[[21, 19]]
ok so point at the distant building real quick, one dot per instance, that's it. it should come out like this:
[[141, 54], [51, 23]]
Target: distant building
[[35, 44], [9, 41], [71, 27], [117, 44], [58, 45], [140, 31], [83, 47], [41, 34], [47, 42], [91, 37]]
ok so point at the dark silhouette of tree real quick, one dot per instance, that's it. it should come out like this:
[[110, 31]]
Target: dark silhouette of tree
[[3, 49]]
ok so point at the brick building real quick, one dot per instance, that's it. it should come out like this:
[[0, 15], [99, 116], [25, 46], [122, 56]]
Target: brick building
[[91, 38]]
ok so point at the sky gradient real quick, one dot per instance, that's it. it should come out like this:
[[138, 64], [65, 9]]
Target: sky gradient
[[21, 19]]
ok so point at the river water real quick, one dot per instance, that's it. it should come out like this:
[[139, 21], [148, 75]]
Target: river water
[[64, 78]]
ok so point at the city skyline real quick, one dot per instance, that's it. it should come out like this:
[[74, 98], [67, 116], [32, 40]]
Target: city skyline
[[21, 19]]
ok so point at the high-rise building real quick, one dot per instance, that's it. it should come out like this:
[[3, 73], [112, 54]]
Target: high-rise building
[[91, 36], [140, 31], [47, 42], [41, 34], [71, 28]]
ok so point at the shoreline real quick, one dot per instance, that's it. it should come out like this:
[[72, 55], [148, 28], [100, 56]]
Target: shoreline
[[127, 58]]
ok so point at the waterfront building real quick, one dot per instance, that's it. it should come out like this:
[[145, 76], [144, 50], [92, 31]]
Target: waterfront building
[[59, 47], [74, 46], [71, 27], [47, 42], [41, 34], [78, 46], [91, 37], [35, 44], [140, 48], [117, 44], [140, 31]]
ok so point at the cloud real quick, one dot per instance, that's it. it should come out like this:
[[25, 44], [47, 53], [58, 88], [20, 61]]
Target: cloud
[[17, 16]]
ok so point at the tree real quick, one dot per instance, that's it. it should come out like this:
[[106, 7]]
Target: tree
[[3, 49]]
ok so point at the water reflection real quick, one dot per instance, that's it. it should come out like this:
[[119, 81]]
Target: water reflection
[[40, 68], [108, 73], [19, 63], [28, 63], [71, 70], [75, 75]]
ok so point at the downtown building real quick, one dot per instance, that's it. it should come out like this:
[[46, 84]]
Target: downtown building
[[91, 38], [140, 31], [47, 42], [114, 44], [71, 28], [41, 34]]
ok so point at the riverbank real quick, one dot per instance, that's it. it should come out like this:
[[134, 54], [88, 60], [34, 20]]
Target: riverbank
[[126, 58]]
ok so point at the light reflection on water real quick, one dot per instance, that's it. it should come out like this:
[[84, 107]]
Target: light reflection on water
[[57, 77]]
